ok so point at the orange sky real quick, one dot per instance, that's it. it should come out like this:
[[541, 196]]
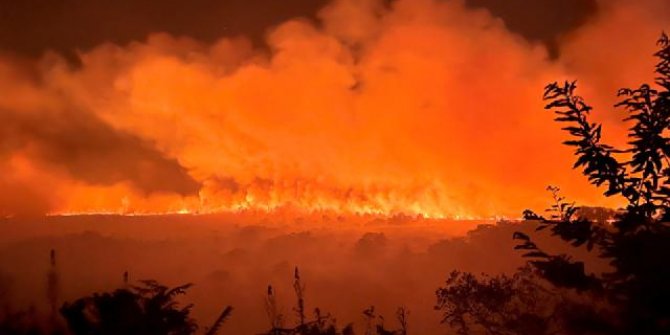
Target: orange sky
[[424, 108]]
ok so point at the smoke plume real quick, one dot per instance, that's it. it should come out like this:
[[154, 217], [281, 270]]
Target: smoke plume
[[417, 107]]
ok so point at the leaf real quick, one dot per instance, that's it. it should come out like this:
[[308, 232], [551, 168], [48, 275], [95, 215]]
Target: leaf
[[536, 254], [520, 236]]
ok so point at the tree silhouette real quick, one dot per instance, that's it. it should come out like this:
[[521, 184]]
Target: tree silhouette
[[149, 309], [497, 305], [632, 298]]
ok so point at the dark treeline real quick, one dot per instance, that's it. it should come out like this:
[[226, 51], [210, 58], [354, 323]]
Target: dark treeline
[[551, 294], [150, 308]]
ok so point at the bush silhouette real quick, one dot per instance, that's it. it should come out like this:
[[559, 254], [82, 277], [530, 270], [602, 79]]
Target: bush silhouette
[[324, 323], [149, 309], [632, 298]]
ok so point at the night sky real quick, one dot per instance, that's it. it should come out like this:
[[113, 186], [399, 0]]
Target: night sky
[[29, 27]]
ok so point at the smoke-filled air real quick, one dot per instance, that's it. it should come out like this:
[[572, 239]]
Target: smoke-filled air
[[283, 156], [417, 107]]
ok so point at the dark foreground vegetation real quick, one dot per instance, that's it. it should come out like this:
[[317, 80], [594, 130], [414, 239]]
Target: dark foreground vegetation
[[153, 309], [555, 294], [551, 294]]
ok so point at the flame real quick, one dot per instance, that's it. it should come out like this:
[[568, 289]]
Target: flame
[[376, 207]]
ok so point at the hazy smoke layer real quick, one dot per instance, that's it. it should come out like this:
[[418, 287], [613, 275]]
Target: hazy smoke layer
[[421, 107], [346, 265]]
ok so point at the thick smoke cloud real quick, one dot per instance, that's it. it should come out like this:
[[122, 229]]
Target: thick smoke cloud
[[418, 107], [93, 152], [614, 49], [43, 130]]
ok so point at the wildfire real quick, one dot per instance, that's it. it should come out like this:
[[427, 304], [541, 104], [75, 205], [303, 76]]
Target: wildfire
[[321, 206], [409, 110]]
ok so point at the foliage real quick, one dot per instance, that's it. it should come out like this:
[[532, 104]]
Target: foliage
[[499, 305], [225, 314], [152, 309], [632, 298], [375, 323], [516, 304], [324, 323], [149, 309]]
